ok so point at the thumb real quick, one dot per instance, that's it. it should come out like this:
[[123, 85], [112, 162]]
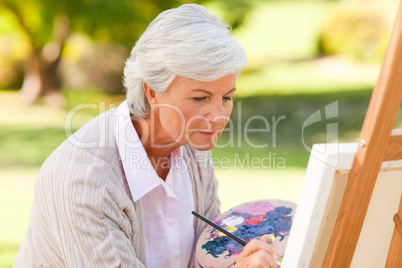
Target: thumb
[[266, 238]]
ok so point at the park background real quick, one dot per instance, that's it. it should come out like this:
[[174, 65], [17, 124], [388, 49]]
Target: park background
[[303, 55]]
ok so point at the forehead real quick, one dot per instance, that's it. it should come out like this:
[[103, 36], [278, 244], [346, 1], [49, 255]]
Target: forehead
[[221, 85]]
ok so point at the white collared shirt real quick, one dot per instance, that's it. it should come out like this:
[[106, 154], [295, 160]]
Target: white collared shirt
[[166, 205]]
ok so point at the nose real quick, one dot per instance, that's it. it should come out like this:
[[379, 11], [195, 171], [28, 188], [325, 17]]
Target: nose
[[217, 113]]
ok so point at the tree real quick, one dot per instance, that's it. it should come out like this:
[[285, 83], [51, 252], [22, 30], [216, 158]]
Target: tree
[[47, 24]]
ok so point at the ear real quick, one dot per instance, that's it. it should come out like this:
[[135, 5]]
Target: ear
[[151, 95]]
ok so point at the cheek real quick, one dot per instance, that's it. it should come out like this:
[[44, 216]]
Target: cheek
[[201, 118], [227, 111], [195, 121], [178, 120], [172, 120]]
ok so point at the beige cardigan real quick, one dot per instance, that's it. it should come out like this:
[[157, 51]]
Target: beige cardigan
[[83, 214]]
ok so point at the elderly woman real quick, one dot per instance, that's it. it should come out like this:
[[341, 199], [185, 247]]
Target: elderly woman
[[119, 192]]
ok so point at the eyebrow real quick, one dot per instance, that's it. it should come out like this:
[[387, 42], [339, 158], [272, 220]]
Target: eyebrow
[[209, 93]]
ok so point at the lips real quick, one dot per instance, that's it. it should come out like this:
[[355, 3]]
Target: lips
[[207, 134]]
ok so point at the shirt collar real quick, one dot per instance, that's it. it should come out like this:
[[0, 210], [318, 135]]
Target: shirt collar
[[140, 174], [176, 158]]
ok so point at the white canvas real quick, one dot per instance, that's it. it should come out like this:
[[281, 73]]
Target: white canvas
[[327, 169]]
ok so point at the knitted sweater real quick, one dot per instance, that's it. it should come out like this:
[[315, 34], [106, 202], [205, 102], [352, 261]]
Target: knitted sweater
[[83, 214]]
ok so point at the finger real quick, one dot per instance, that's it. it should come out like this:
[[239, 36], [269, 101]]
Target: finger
[[280, 246], [265, 258], [256, 245], [266, 238]]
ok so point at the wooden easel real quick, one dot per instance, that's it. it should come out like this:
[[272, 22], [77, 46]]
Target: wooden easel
[[378, 143]]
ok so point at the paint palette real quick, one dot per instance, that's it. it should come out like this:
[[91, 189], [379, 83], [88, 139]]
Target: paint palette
[[247, 221]]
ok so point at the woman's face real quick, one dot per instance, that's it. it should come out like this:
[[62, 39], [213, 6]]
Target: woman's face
[[195, 113]]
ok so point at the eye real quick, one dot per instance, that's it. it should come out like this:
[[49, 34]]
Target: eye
[[227, 98], [199, 99]]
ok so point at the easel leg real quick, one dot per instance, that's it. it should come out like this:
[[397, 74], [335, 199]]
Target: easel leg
[[395, 250]]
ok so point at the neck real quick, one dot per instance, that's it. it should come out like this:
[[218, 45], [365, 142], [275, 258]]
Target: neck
[[157, 143]]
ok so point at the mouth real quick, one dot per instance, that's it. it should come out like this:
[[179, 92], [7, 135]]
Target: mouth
[[207, 133]]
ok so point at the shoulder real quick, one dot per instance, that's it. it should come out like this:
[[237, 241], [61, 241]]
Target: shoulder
[[97, 134], [93, 144], [72, 180], [87, 161]]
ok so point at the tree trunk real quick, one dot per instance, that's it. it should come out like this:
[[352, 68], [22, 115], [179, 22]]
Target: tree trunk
[[32, 85], [41, 78], [41, 81], [51, 82]]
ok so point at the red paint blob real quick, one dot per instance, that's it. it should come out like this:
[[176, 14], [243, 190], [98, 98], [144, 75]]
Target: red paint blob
[[255, 221]]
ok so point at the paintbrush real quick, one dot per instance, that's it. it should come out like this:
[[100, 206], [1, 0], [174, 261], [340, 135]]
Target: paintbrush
[[235, 238]]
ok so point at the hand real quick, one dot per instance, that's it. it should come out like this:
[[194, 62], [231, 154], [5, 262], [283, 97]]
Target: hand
[[258, 253]]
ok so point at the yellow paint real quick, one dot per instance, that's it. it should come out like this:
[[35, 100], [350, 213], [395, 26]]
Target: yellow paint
[[229, 229], [272, 237]]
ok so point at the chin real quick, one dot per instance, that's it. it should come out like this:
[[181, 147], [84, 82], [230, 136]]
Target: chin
[[201, 143], [202, 147]]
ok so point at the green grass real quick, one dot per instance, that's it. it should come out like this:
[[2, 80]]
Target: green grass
[[16, 195], [102, 101], [26, 146], [287, 78], [286, 141]]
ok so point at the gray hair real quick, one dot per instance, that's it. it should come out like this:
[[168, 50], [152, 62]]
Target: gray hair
[[186, 42]]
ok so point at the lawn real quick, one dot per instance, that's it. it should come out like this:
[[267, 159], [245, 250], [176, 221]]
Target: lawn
[[16, 194]]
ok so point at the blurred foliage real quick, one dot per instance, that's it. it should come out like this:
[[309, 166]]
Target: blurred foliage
[[13, 50], [88, 64], [42, 29], [118, 21], [233, 11], [282, 30], [359, 31]]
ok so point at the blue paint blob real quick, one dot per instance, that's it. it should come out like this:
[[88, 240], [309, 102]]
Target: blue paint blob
[[276, 222], [217, 246]]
